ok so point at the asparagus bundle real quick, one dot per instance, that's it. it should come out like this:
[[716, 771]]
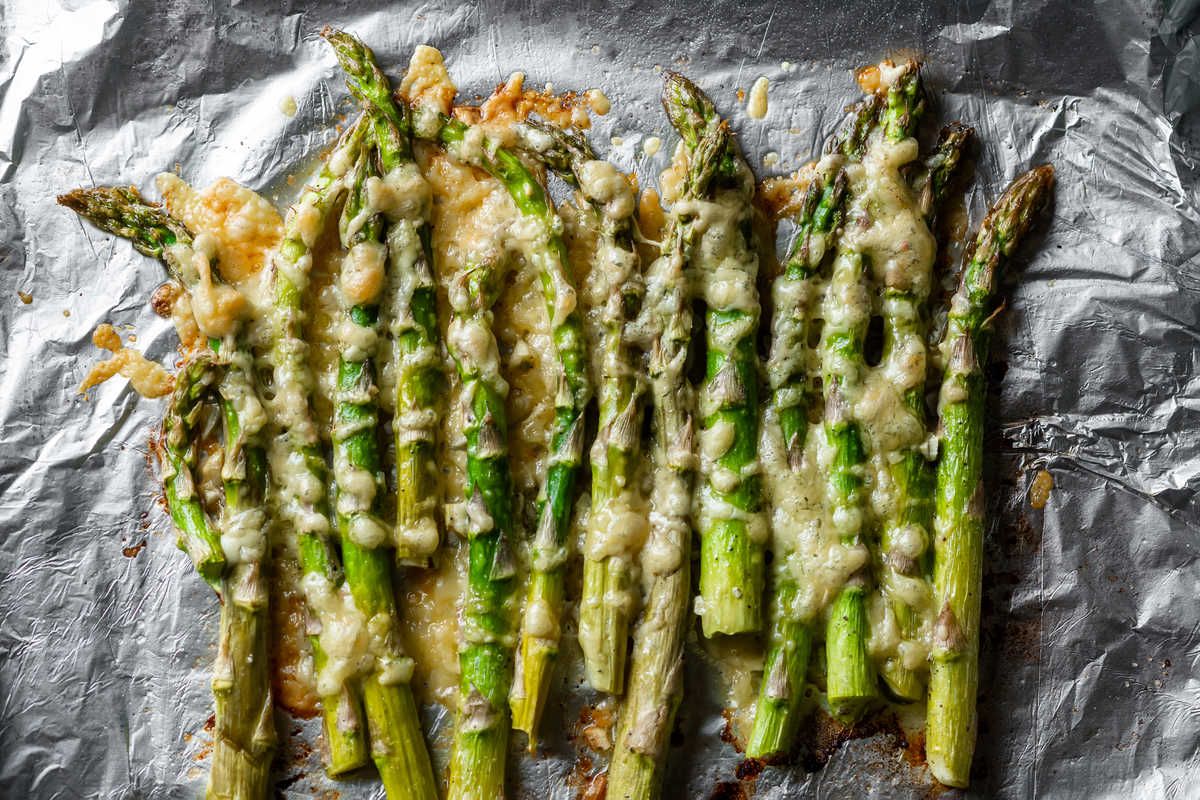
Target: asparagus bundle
[[299, 470], [410, 304], [903, 554], [790, 637], [960, 498], [228, 554], [656, 671], [397, 745], [732, 525], [541, 243], [616, 527]]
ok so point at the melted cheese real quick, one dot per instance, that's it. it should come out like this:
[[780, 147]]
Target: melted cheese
[[757, 106], [245, 225], [147, 378]]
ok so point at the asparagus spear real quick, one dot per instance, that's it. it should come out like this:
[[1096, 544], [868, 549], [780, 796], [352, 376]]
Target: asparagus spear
[[397, 745], [656, 672], [543, 246], [732, 526], [301, 479], [905, 291], [485, 660], [960, 499], [411, 308], [241, 683], [616, 528]]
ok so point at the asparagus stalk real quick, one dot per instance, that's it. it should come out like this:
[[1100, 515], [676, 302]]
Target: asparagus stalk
[[300, 486], [411, 308], [960, 498], [732, 525], [905, 292], [397, 745], [615, 531], [790, 637], [544, 247], [656, 672], [245, 728], [241, 683], [485, 658]]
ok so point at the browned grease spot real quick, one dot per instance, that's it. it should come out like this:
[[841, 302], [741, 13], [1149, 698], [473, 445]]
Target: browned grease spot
[[288, 646], [580, 777], [749, 769], [824, 735], [782, 196], [728, 736], [741, 95], [1039, 490], [597, 787], [914, 749], [26, 297], [728, 790], [595, 727], [132, 550], [164, 297]]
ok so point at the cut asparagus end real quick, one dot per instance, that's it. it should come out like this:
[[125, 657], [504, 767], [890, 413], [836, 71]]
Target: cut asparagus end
[[850, 682], [950, 727], [528, 698], [481, 734], [343, 748], [397, 745], [633, 776], [730, 565], [781, 695], [244, 738], [606, 645], [903, 684]]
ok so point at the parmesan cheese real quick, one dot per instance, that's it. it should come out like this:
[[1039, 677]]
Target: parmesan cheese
[[147, 378]]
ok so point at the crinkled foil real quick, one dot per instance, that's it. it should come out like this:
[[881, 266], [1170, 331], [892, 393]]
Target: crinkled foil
[[1092, 603]]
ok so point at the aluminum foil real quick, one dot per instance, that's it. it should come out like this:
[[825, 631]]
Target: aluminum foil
[[1092, 604]]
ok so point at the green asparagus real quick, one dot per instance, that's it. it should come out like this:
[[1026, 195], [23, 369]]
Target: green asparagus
[[153, 232], [229, 556], [410, 306], [397, 744], [905, 291], [790, 638], [485, 659], [960, 495], [616, 527], [732, 524], [300, 481], [656, 671], [543, 246]]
